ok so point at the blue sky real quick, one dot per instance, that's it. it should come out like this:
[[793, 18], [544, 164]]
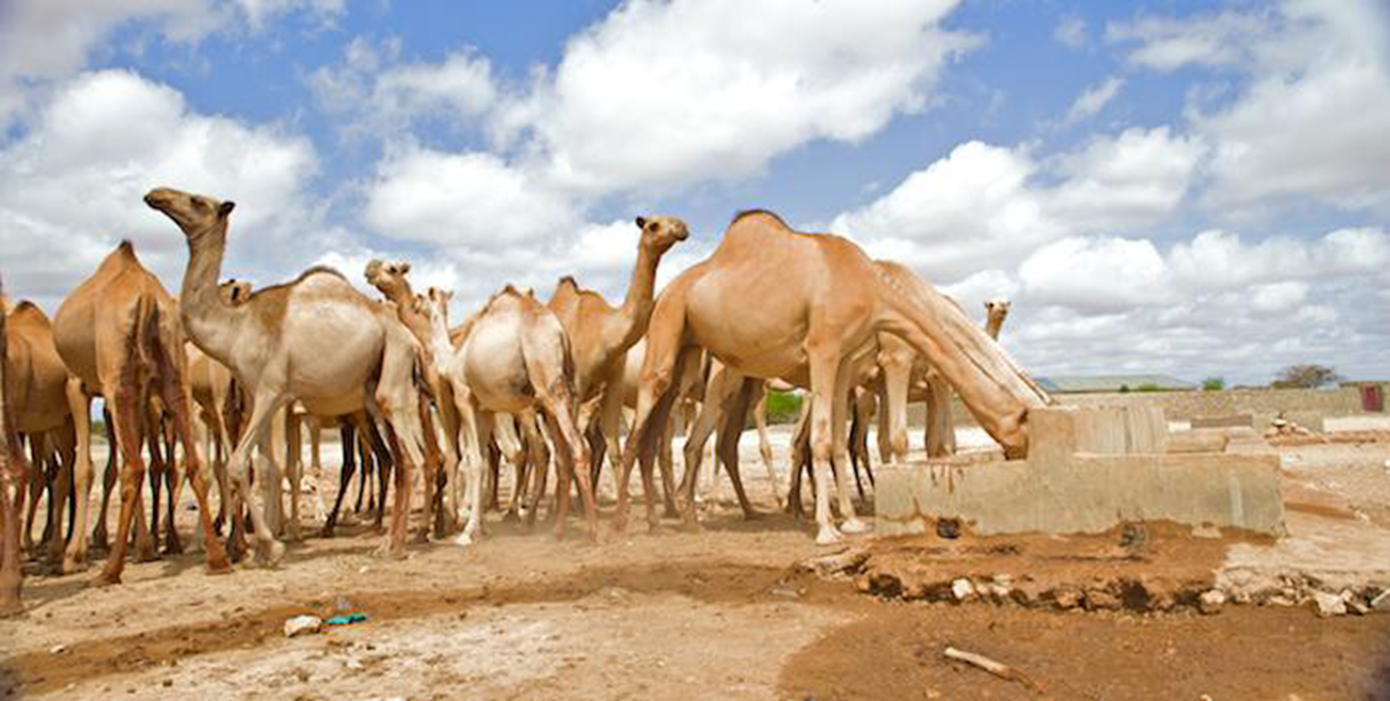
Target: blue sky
[[1186, 187]]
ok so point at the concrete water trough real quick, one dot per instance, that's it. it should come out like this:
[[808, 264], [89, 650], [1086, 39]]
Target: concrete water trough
[[1088, 470]]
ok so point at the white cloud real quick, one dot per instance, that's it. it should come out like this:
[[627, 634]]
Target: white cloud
[[1138, 176], [472, 200], [662, 95], [1093, 99], [385, 96], [1070, 32], [1094, 275], [71, 187], [1309, 116], [42, 41]]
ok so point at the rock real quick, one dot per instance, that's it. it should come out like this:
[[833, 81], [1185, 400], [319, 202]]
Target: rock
[[962, 589], [1211, 601], [1381, 602], [1329, 604], [1098, 599], [58, 649], [302, 625], [1067, 598]]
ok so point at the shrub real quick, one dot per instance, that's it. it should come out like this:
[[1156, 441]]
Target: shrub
[[1213, 384], [783, 407]]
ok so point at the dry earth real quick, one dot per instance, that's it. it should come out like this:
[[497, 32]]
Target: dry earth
[[723, 613]]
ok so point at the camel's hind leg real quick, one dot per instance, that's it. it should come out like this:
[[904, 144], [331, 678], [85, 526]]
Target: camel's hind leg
[[348, 435], [178, 404]]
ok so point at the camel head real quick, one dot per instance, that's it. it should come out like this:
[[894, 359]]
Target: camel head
[[193, 213], [997, 307], [436, 304], [659, 234], [388, 276], [234, 291]]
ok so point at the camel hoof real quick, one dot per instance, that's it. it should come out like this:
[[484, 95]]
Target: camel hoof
[[73, 565], [390, 551], [511, 517], [269, 554], [753, 516], [690, 525], [828, 535], [10, 608], [105, 579], [463, 539], [219, 566], [854, 526], [420, 538]]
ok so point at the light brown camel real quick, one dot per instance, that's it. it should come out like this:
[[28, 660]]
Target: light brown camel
[[120, 337], [316, 339], [907, 377], [390, 280], [771, 302], [600, 335], [38, 389], [515, 358], [13, 473]]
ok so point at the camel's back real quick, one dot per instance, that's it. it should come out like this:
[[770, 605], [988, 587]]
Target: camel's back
[[101, 311], [333, 334]]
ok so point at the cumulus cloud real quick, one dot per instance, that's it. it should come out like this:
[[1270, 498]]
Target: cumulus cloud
[[71, 187], [43, 41], [1070, 32], [1093, 99], [383, 96], [1317, 70]]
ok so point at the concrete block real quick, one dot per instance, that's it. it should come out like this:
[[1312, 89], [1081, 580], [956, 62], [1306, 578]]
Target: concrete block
[[1227, 421], [1088, 471]]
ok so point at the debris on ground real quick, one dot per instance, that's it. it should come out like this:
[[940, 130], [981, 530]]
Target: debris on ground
[[998, 669], [302, 625]]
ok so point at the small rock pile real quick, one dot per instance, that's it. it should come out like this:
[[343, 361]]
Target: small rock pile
[[1284, 428]]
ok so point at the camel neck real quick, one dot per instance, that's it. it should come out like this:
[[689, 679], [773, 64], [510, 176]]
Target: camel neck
[[993, 325], [211, 323], [637, 306]]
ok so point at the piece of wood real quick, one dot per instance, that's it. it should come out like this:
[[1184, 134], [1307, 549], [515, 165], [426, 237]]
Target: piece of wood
[[998, 669]]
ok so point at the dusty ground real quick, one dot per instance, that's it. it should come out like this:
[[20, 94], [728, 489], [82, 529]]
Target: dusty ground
[[724, 613]]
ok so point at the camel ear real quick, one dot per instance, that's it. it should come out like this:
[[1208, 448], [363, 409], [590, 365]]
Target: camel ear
[[641, 222], [225, 208], [405, 268]]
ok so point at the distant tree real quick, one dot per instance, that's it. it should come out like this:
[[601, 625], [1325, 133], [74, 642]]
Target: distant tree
[[1148, 387], [1214, 384], [1308, 375], [1124, 389], [783, 407]]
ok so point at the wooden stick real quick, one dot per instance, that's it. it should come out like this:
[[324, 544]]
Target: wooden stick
[[998, 669]]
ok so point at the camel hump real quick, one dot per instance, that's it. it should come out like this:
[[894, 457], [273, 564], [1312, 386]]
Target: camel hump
[[27, 308], [321, 269], [126, 248], [759, 213]]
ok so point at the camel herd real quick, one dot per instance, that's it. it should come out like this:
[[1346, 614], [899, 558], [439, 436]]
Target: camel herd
[[520, 379]]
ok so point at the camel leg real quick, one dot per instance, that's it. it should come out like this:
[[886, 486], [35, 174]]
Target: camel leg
[[294, 469], [367, 451], [572, 458], [316, 468], [38, 457], [264, 406], [538, 465], [896, 376], [839, 427], [941, 433], [348, 435], [885, 444], [13, 473], [477, 426], [661, 365], [726, 443], [825, 360], [800, 459], [383, 464], [434, 467], [156, 473], [173, 483], [127, 405], [706, 421], [108, 478], [666, 463], [449, 422], [395, 397], [764, 442], [79, 404], [178, 406]]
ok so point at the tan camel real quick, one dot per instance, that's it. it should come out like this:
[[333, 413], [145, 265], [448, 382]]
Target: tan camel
[[771, 302], [38, 389], [601, 335], [120, 337], [515, 359], [14, 470], [390, 279], [908, 377], [316, 339]]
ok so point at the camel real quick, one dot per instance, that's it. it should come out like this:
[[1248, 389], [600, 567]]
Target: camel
[[515, 359], [389, 279], [119, 335], [906, 377], [38, 389], [316, 339], [13, 473], [771, 302], [601, 335]]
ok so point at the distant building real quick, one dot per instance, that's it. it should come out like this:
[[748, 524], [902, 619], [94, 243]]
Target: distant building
[[1081, 384]]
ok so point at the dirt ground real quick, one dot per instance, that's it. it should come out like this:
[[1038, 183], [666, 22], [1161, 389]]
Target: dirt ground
[[723, 613]]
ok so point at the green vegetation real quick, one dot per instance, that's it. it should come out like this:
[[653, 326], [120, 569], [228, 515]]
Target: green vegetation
[[783, 407], [1148, 387], [1214, 384]]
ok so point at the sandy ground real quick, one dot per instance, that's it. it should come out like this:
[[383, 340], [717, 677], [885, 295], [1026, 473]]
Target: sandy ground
[[722, 613]]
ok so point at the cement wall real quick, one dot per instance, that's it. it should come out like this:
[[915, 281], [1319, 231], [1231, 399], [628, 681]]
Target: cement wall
[[1300, 404]]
